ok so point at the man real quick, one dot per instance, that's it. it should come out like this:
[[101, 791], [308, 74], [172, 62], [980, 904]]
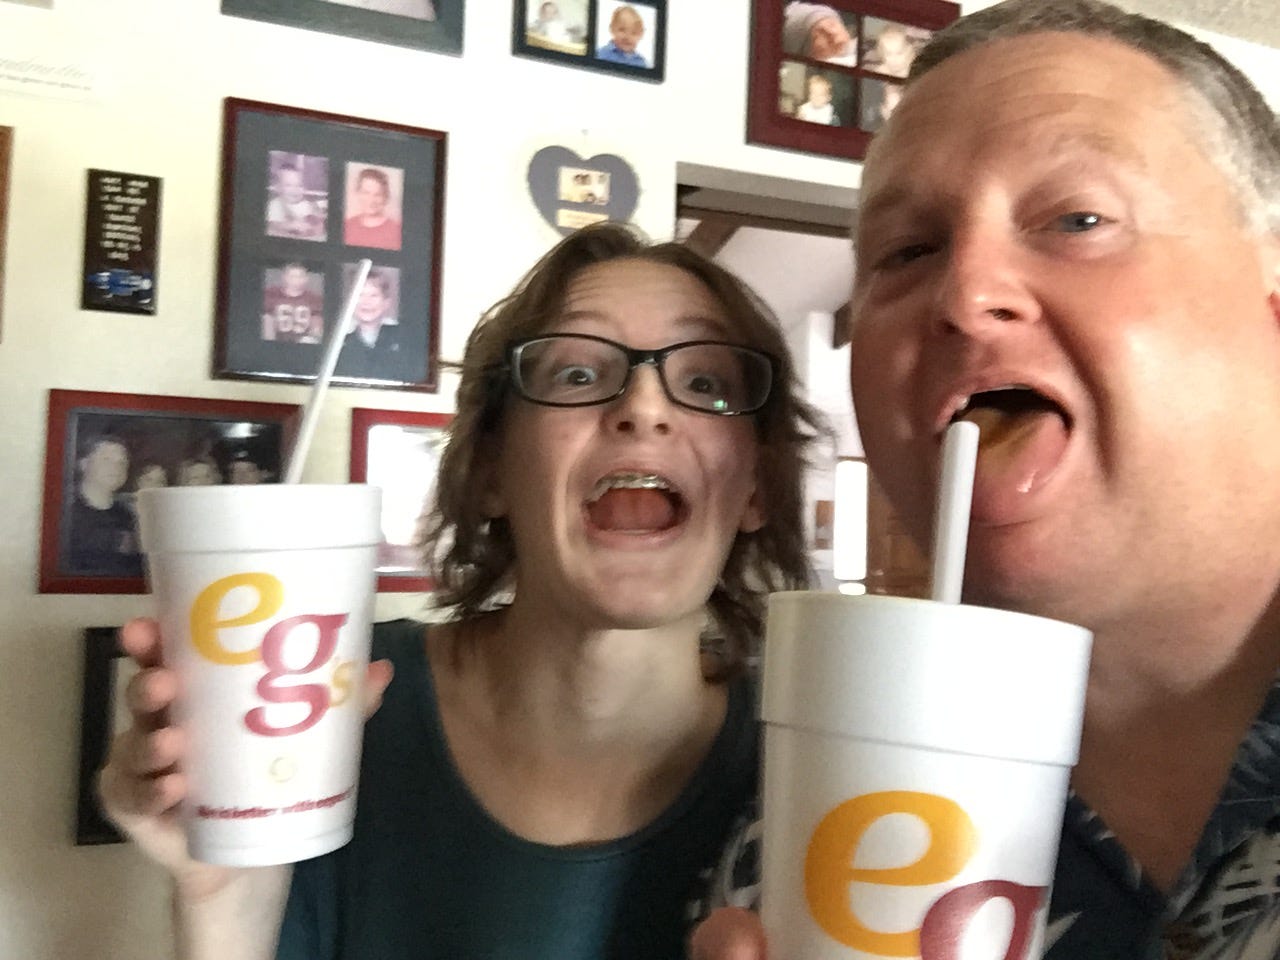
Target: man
[[243, 469], [1070, 232], [101, 537]]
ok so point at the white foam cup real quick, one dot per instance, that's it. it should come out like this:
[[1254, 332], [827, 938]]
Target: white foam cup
[[916, 763], [265, 602]]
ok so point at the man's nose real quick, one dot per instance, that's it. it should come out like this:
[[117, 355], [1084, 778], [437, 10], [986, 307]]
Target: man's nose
[[644, 405], [984, 286]]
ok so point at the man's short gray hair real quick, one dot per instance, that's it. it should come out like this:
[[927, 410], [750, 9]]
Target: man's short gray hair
[[1241, 134]]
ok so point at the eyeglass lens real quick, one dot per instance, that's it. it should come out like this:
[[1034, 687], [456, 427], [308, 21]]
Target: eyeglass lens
[[572, 371]]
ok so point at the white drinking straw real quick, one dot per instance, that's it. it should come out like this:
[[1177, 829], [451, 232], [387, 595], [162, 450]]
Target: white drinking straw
[[951, 521], [332, 347]]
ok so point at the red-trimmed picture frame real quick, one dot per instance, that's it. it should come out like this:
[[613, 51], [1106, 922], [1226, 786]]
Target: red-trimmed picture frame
[[825, 76], [399, 451], [101, 448]]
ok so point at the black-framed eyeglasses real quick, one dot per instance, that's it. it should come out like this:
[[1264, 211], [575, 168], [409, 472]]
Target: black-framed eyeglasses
[[579, 370]]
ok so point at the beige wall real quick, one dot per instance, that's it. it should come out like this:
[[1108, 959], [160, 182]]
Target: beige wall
[[162, 68]]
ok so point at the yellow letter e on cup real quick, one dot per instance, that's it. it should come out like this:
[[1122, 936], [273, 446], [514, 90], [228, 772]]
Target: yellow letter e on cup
[[829, 869]]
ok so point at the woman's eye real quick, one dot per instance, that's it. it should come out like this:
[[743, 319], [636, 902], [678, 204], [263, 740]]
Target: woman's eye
[[576, 376], [705, 383], [1078, 221]]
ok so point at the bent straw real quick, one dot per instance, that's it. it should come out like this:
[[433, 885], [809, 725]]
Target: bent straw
[[332, 347], [951, 520]]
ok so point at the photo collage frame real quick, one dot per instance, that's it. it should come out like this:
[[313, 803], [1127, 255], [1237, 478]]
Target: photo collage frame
[[305, 196]]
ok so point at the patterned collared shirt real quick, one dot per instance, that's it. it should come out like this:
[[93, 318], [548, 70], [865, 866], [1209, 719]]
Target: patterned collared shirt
[[1225, 905]]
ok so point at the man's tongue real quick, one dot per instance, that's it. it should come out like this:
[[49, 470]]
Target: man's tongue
[[633, 511], [1017, 451]]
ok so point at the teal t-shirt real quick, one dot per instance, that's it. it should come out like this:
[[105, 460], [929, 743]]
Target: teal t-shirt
[[430, 874]]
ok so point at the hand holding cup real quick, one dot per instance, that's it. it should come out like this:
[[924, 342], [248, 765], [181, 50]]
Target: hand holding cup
[[143, 785]]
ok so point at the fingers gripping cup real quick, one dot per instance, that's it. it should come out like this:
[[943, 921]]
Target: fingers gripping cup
[[265, 601], [916, 762]]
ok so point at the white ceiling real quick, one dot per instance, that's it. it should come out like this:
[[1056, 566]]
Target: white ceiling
[[1257, 21]]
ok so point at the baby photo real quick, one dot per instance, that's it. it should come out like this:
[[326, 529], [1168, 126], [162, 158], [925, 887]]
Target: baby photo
[[625, 33], [297, 195], [819, 32], [816, 96], [584, 186], [558, 25]]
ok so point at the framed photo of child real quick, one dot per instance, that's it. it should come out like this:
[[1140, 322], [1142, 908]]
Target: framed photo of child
[[626, 37], [305, 196], [825, 76]]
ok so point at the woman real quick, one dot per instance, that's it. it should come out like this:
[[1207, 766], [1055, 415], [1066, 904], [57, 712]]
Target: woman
[[621, 486]]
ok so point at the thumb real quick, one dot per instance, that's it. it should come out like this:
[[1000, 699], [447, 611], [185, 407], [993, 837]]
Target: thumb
[[376, 679], [729, 933]]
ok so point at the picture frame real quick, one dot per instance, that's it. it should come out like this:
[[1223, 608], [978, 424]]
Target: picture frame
[[6, 161], [432, 25], [823, 79], [101, 448], [106, 672], [305, 196], [624, 37], [399, 451], [121, 242]]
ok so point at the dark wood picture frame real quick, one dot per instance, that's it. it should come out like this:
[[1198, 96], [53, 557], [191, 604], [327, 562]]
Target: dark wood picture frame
[[103, 680], [860, 89], [583, 39], [399, 563], [295, 222], [143, 439], [442, 34], [6, 160]]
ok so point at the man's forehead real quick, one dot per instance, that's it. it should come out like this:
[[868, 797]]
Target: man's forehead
[[1045, 93]]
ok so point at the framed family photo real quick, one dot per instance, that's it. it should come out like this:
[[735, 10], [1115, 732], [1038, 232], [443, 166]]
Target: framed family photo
[[824, 77], [102, 714], [102, 448], [399, 451], [624, 37], [305, 196], [434, 25]]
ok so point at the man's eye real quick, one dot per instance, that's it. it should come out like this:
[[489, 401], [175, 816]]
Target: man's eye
[[1078, 221], [907, 253]]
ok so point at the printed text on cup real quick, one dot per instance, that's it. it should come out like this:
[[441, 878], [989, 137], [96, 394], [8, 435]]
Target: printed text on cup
[[318, 697], [829, 872]]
